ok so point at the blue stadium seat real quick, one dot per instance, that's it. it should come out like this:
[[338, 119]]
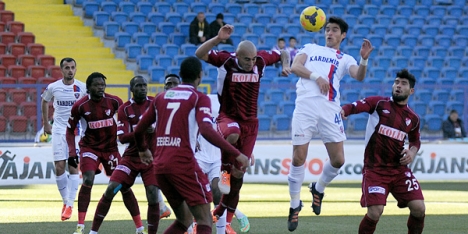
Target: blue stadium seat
[[189, 17], [449, 72], [183, 28], [196, 7], [121, 39], [432, 72], [376, 40], [455, 11], [353, 9], [133, 1], [416, 71], [263, 19], [387, 51], [410, 40], [292, 29], [451, 20], [457, 95], [178, 59], [280, 19], [453, 61], [439, 51], [319, 39], [426, 40], [286, 8], [211, 71], [350, 95], [393, 40], [290, 95], [188, 49], [89, 8], [404, 10], [157, 73], [174, 70], [460, 40], [163, 60], [177, 38], [388, 10], [144, 61], [419, 107], [132, 50], [350, 19], [422, 10], [400, 20], [108, 7], [145, 7], [245, 18], [396, 30], [170, 49], [362, 29], [435, 61], [364, 93], [216, 8], [159, 38], [236, 38], [240, 28], [336, 10], [427, 81], [442, 95], [433, 122], [382, 61], [423, 95], [141, 38], [400, 61], [100, 18], [156, 18], [130, 27], [418, 61], [137, 17], [383, 19], [162, 7], [254, 38], [304, 38], [110, 29], [371, 10], [257, 28], [269, 9], [354, 39], [433, 20], [119, 17], [461, 81], [438, 10], [430, 30], [181, 8], [251, 8], [275, 29], [281, 122], [299, 8], [127, 7], [358, 122], [270, 71], [166, 27], [423, 51], [269, 108], [275, 95], [264, 123], [377, 73], [417, 20], [234, 8], [437, 107], [445, 81], [281, 81], [174, 18], [148, 27], [463, 73], [366, 19], [269, 39], [152, 49]]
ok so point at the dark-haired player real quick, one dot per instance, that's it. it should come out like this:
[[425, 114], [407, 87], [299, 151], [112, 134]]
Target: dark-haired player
[[391, 123], [179, 114], [317, 112], [98, 145]]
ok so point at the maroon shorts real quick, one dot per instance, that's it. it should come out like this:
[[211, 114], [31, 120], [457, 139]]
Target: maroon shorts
[[192, 187], [90, 160], [401, 183], [247, 130], [129, 168]]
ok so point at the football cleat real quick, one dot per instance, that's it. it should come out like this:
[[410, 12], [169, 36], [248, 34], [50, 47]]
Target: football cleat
[[67, 213], [244, 224], [224, 183], [141, 232], [229, 229], [316, 199], [79, 229], [165, 213], [215, 217], [293, 218]]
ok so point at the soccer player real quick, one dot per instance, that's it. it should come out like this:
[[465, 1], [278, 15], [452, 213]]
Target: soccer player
[[179, 113], [98, 145], [239, 77], [65, 93], [171, 81], [130, 166], [317, 111], [391, 122], [209, 159]]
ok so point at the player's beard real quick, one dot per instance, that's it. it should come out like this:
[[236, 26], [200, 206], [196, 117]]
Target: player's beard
[[399, 98]]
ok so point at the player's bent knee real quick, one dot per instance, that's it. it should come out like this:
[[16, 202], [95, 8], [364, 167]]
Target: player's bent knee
[[374, 212], [417, 208], [152, 194], [232, 138], [88, 178]]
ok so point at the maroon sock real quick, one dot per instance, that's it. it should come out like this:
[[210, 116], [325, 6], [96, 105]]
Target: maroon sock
[[221, 207], [153, 218], [236, 185], [176, 228], [415, 225], [84, 196], [132, 206], [203, 229], [101, 212], [367, 225]]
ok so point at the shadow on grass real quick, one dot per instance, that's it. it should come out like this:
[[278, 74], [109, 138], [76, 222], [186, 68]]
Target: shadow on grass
[[453, 224]]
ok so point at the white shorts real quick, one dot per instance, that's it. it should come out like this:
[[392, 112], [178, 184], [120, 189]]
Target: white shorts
[[316, 117], [210, 169], [60, 146]]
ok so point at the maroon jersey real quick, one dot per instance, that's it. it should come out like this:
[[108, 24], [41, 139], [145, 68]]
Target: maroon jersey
[[388, 127], [177, 112], [101, 128], [237, 89], [128, 117]]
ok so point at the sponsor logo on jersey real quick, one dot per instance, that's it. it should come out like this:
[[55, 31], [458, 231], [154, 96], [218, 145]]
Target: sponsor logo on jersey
[[87, 113], [392, 132], [324, 59], [233, 125], [339, 54], [245, 77], [168, 141], [131, 116], [101, 123], [177, 94], [108, 112], [77, 95], [90, 155], [386, 111], [408, 174], [205, 110], [408, 121], [124, 169], [65, 103], [376, 189]]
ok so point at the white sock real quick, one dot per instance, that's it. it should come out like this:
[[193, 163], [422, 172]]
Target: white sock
[[62, 182], [239, 214], [295, 179], [73, 184], [92, 232], [162, 205], [140, 229], [328, 174], [221, 224]]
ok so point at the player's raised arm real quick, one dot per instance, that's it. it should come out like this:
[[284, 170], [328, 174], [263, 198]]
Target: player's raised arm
[[285, 62], [123, 127], [223, 34], [359, 72]]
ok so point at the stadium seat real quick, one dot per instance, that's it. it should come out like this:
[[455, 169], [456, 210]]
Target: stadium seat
[[226, 47], [54, 72], [433, 122], [456, 52], [251, 8], [299, 8], [99, 18], [174, 18], [352, 20], [337, 10], [264, 123], [183, 28], [422, 51], [28, 109], [425, 40], [254, 38], [269, 9], [216, 8], [353, 9], [419, 107], [236, 38], [181, 8], [108, 7], [460, 40], [438, 51], [455, 95], [263, 19], [257, 28], [130, 27], [18, 95], [170, 49], [144, 62], [173, 70], [437, 107], [442, 95], [119, 17], [451, 20], [281, 122], [15, 26], [16, 49], [211, 71], [145, 7], [292, 29], [461, 81], [432, 72], [166, 27], [362, 29], [88, 9], [19, 124], [455, 11], [8, 109], [7, 60], [8, 80], [417, 20], [287, 107], [371, 10], [350, 95], [162, 7], [121, 39], [377, 72], [354, 39], [463, 72], [366, 20], [245, 18], [379, 29], [177, 38], [157, 17], [137, 17], [382, 61], [286, 8], [110, 29], [157, 74], [269, 108], [435, 61], [178, 59], [163, 60], [147, 27], [16, 71], [400, 61], [275, 29], [413, 30], [188, 49], [132, 50], [433, 21], [159, 38], [27, 80], [275, 95], [36, 71], [127, 7], [358, 122], [421, 10], [26, 60], [388, 10], [438, 11]]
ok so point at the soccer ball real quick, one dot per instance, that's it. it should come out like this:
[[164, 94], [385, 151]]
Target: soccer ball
[[45, 137], [313, 19]]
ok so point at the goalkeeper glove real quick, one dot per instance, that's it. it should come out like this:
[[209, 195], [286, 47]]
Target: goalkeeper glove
[[73, 161]]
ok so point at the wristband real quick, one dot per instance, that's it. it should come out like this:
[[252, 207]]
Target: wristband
[[363, 62], [314, 76]]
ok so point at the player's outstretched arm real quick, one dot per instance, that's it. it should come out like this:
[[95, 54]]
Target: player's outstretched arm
[[359, 72], [223, 34], [285, 61]]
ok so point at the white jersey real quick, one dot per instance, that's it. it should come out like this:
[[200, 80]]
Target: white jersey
[[64, 98], [330, 64], [207, 152]]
